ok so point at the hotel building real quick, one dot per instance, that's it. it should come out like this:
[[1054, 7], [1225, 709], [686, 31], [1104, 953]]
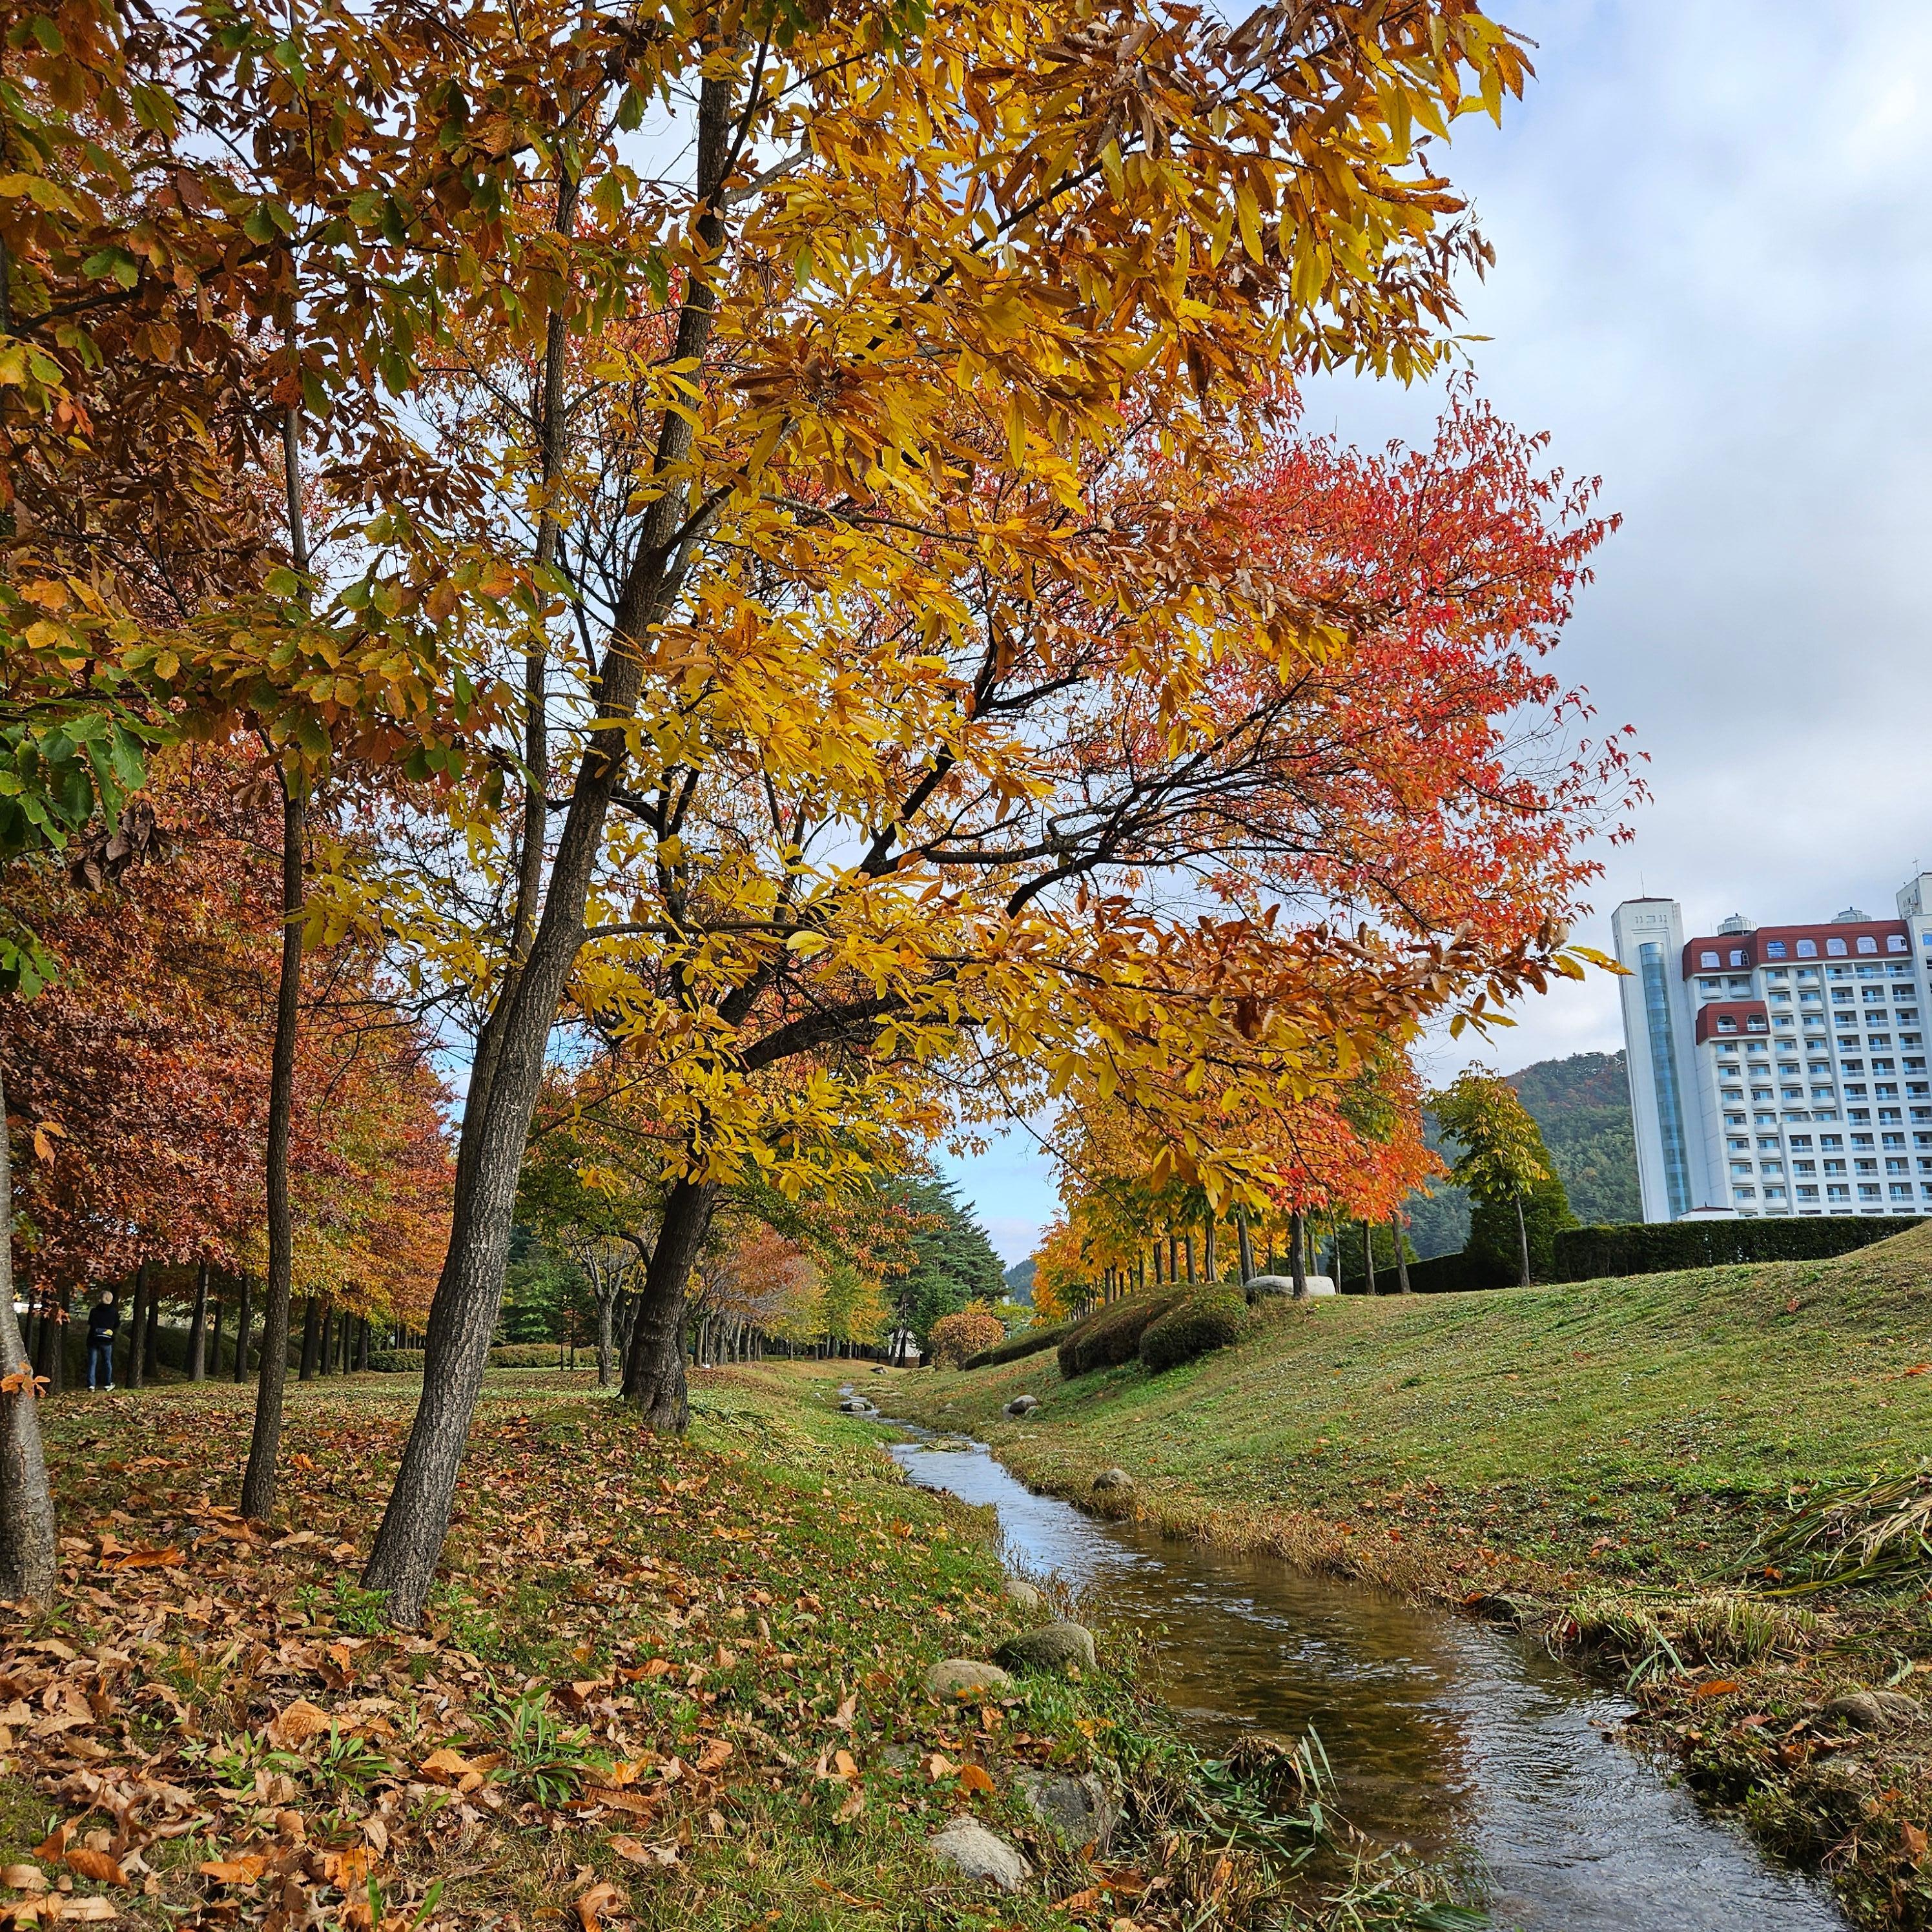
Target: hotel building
[[1780, 1069]]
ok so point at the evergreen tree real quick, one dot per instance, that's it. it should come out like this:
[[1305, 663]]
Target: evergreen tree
[[948, 1261]]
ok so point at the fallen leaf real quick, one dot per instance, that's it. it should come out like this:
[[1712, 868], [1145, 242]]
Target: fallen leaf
[[169, 1558], [84, 1909], [1718, 1687], [628, 1847], [975, 1778], [1920, 1369], [24, 1878], [1915, 1841], [844, 1765], [99, 1866], [300, 1721], [445, 1766], [939, 1765], [712, 1756], [848, 1709], [244, 1870], [595, 1902], [638, 1804], [54, 1845], [854, 1803]]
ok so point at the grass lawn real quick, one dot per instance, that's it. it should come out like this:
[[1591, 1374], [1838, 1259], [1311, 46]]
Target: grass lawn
[[1608, 1454], [664, 1684]]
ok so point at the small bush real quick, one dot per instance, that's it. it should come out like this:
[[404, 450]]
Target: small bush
[[1028, 1341], [1113, 1336], [1199, 1325], [396, 1361], [525, 1355], [972, 1331]]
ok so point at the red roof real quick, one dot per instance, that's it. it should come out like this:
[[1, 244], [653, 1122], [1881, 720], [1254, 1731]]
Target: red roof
[[1746, 1016], [1738, 952]]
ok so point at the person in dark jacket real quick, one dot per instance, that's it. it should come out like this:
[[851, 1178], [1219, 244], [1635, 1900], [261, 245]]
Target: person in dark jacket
[[102, 1320]]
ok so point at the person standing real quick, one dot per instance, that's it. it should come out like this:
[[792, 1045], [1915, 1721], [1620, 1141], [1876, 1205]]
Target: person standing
[[103, 1320]]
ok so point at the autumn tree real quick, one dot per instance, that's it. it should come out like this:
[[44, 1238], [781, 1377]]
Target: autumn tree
[[1501, 1160]]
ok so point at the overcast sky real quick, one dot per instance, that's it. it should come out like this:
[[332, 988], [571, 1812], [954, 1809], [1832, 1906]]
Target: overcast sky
[[1713, 281]]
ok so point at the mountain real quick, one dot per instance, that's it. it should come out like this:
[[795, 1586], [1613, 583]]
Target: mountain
[[1583, 1106], [1019, 1280]]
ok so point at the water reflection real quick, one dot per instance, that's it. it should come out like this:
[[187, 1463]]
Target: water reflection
[[1443, 1734]]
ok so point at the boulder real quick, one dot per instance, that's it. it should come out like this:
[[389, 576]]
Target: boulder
[[954, 1678], [948, 1445], [1261, 1286], [1077, 1809], [969, 1847], [1112, 1483], [856, 1404], [1875, 1711], [1054, 1646], [1025, 1594], [1022, 1405]]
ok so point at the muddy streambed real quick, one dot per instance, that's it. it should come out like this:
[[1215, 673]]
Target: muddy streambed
[[1455, 1739]]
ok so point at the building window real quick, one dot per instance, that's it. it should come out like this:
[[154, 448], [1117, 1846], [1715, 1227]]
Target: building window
[[1774, 949], [1836, 948], [1737, 956], [1808, 949], [1712, 959], [1866, 944], [1894, 942], [1868, 1190], [1727, 1023]]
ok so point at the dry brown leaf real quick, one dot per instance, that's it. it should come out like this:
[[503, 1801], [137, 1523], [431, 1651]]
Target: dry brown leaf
[[55, 1844], [24, 1878], [854, 1803], [638, 1804], [244, 1870], [1915, 1841], [844, 1765], [975, 1778], [939, 1765], [1718, 1687], [169, 1558], [294, 1725], [346, 1870], [628, 1847], [101, 1867], [712, 1755], [595, 1902], [445, 1766]]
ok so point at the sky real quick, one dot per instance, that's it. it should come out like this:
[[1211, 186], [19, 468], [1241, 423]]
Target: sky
[[1713, 278]]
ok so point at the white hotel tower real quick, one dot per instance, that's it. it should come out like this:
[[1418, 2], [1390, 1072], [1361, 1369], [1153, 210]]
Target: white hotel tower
[[1780, 1069]]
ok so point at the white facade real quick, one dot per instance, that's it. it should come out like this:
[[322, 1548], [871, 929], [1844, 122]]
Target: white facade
[[1780, 1070]]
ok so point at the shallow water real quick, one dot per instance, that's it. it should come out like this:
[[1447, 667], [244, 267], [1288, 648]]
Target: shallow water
[[1444, 1735]]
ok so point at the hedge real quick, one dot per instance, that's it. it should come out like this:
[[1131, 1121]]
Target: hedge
[[1015, 1348], [1453, 1274], [1586, 1254], [508, 1355], [1111, 1337], [1200, 1325]]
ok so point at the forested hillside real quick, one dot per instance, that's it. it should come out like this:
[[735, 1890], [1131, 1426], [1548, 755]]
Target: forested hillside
[[1583, 1106]]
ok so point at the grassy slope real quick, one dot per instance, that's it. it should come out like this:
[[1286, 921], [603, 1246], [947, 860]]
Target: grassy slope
[[771, 1585], [1616, 1446]]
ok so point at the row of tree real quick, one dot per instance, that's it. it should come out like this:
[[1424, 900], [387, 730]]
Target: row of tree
[[790, 640]]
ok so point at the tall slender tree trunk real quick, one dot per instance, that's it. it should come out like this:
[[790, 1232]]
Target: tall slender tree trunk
[[214, 1337], [1297, 1261], [606, 1356], [137, 1328], [1522, 1246], [29, 1560], [152, 1344], [1244, 1246], [264, 1446], [654, 1365], [197, 1328], [244, 1315], [311, 1334], [1368, 1255], [1187, 1249], [57, 1354], [1211, 1264], [496, 1118], [1401, 1260], [325, 1347]]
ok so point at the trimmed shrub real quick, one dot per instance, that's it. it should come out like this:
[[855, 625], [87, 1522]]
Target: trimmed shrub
[[1638, 1247], [1199, 1326], [1111, 1337], [1456, 1274], [972, 1331], [396, 1361], [1015, 1348], [530, 1355]]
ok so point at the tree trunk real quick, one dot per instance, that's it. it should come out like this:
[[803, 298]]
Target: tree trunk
[[264, 1446], [310, 1335], [29, 1560], [362, 1346], [1244, 1246], [1368, 1255], [1401, 1260], [1210, 1264], [215, 1338], [654, 1368], [325, 1345], [57, 1361], [1522, 1245], [137, 1324], [606, 1309], [497, 1119], [1187, 1248], [244, 1316], [197, 1329], [151, 1344], [1298, 1261]]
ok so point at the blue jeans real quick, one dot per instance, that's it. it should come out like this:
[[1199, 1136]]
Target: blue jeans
[[99, 1363]]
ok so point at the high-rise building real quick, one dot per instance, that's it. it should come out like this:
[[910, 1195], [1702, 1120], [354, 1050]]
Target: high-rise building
[[1780, 1069]]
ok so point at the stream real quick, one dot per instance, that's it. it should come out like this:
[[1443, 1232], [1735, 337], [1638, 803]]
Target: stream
[[1456, 1740]]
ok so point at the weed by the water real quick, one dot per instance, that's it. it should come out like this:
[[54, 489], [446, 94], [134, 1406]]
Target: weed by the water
[[1877, 1532]]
